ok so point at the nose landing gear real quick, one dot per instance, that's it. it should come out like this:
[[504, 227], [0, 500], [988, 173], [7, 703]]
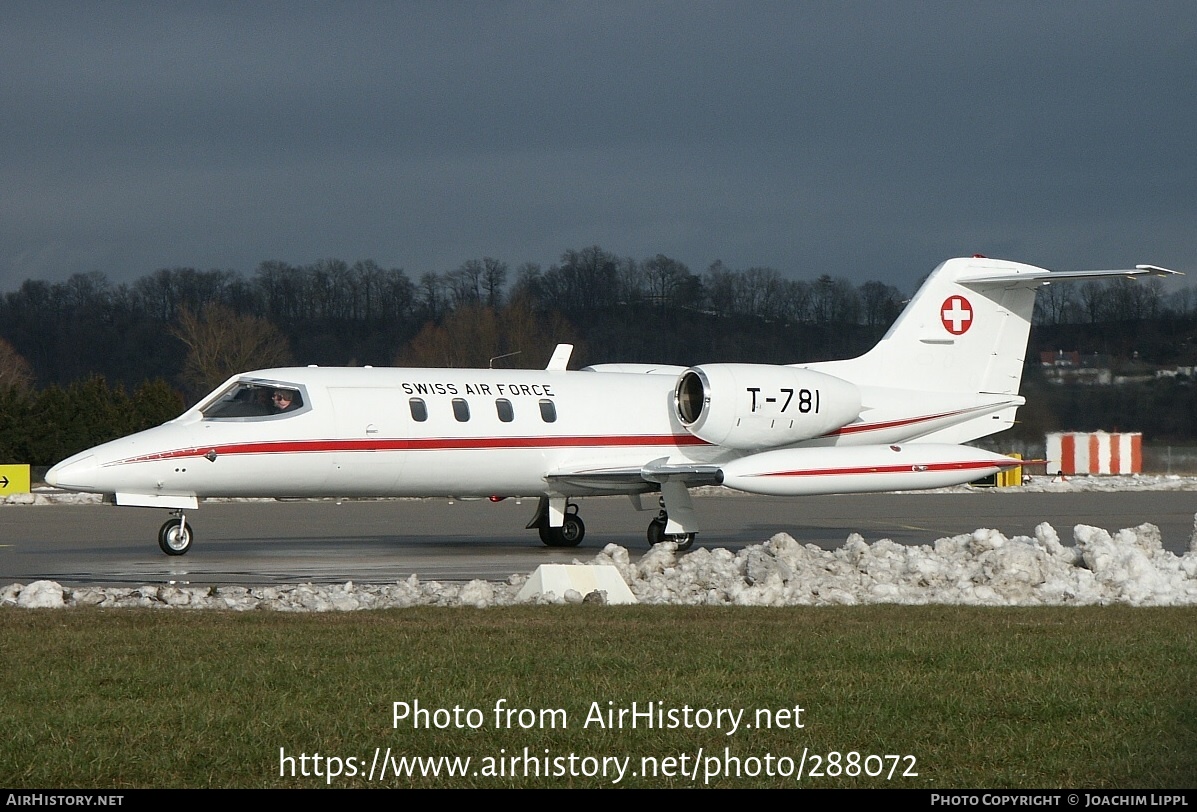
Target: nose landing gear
[[176, 535]]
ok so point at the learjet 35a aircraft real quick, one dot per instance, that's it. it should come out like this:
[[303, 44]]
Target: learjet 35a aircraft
[[895, 418]]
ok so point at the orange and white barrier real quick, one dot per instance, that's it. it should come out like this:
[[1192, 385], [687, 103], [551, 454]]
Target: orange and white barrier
[[1095, 452]]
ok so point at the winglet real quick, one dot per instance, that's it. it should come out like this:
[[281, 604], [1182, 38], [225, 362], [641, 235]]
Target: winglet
[[1156, 270], [560, 359]]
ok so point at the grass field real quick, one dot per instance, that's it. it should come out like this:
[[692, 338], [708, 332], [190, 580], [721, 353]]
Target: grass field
[[1081, 698]]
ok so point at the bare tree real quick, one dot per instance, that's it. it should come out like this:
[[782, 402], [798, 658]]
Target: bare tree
[[666, 277], [761, 292], [473, 335], [221, 343], [1095, 298], [432, 294], [835, 301], [529, 284], [465, 283], [534, 335], [1054, 305], [720, 283], [15, 372], [494, 277], [469, 337], [882, 303], [586, 280]]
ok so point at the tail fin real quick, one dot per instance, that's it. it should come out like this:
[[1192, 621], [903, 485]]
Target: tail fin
[[965, 330]]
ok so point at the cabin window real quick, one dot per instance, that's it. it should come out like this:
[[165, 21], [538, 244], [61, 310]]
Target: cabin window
[[461, 410], [503, 407], [548, 411], [419, 410], [245, 399]]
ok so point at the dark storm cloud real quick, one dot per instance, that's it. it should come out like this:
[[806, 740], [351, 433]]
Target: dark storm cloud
[[868, 139]]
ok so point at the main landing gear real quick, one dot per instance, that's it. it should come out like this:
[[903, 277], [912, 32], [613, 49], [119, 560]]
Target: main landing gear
[[176, 535], [571, 530], [569, 534], [657, 534]]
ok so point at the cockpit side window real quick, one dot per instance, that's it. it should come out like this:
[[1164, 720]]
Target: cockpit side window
[[257, 399]]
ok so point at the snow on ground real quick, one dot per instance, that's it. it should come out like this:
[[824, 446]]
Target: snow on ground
[[48, 496], [1089, 484], [982, 568]]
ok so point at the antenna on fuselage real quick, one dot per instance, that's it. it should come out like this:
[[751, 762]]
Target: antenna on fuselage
[[505, 355]]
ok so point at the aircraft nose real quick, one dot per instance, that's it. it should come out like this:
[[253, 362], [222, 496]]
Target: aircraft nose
[[74, 473]]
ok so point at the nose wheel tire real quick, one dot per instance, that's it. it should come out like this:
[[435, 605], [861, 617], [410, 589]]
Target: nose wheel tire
[[569, 534], [175, 537]]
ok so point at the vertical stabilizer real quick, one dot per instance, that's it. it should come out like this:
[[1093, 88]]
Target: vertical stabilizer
[[956, 335], [963, 335]]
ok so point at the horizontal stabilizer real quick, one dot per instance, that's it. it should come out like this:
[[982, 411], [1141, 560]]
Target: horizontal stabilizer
[[1040, 276]]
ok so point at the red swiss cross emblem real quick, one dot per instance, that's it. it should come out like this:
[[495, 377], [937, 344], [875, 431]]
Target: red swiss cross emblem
[[956, 315]]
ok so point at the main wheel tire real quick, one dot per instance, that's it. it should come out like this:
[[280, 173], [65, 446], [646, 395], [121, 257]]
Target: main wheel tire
[[657, 534], [175, 538], [570, 534]]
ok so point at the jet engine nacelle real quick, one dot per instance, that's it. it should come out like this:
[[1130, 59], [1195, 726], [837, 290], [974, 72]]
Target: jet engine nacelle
[[752, 406]]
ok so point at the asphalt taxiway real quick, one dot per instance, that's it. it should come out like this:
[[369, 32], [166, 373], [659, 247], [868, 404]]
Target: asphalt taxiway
[[387, 540]]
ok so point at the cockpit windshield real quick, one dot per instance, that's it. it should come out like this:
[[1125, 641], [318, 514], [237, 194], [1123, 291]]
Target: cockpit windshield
[[254, 399]]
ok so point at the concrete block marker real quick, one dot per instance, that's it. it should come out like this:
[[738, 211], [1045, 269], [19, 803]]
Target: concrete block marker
[[582, 579]]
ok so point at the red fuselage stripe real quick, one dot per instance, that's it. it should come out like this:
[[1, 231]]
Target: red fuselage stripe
[[907, 468], [856, 428], [422, 444]]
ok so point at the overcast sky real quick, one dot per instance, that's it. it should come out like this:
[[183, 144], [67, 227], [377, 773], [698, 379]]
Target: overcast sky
[[869, 140]]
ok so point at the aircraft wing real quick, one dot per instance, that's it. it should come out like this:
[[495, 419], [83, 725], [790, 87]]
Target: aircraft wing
[[656, 472]]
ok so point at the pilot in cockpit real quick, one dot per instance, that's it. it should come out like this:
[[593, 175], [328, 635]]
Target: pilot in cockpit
[[254, 400], [284, 401]]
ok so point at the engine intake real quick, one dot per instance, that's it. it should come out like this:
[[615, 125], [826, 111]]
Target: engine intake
[[752, 406]]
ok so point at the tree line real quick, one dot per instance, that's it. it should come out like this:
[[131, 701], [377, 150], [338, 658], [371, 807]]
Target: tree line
[[332, 312], [183, 330], [45, 426]]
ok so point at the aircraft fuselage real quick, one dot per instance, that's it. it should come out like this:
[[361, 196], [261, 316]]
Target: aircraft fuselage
[[483, 433]]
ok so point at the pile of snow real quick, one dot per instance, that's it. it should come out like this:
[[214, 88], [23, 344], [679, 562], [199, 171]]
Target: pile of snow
[[1099, 484], [46, 496], [982, 568]]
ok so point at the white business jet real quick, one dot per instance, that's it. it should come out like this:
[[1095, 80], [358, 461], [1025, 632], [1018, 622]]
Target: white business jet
[[895, 418]]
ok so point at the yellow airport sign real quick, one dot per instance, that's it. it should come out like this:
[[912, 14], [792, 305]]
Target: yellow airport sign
[[14, 479]]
